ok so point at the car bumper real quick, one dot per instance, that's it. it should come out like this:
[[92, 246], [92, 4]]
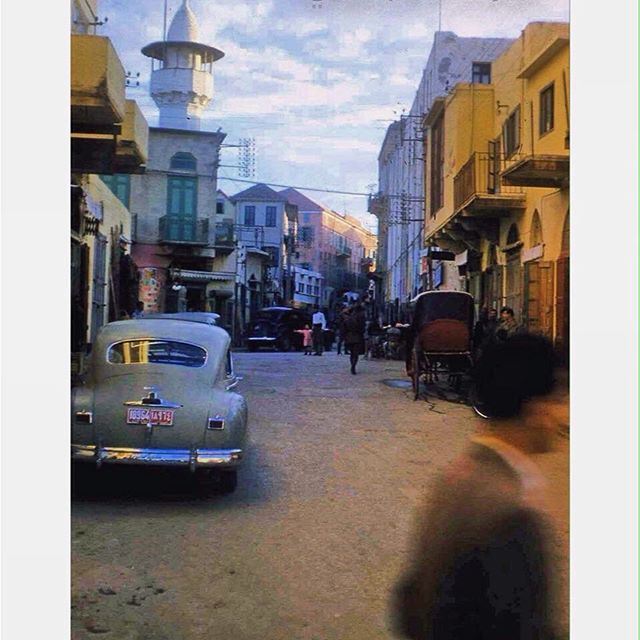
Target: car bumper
[[265, 339], [193, 458]]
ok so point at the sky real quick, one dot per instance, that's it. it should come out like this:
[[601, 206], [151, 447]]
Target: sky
[[314, 82]]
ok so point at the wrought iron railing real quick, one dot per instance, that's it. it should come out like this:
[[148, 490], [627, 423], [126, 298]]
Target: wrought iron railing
[[225, 236], [480, 176], [179, 229]]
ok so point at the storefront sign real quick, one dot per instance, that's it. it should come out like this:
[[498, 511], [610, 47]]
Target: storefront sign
[[533, 254]]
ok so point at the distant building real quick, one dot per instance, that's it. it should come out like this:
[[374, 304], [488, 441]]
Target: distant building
[[308, 287], [265, 220], [399, 203], [336, 245]]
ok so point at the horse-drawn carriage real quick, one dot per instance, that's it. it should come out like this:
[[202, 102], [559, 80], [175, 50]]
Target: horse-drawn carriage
[[440, 337]]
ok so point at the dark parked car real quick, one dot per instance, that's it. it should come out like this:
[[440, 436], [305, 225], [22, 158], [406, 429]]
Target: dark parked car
[[276, 327]]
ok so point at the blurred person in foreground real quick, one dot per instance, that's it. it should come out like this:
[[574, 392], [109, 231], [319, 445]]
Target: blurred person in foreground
[[480, 566]]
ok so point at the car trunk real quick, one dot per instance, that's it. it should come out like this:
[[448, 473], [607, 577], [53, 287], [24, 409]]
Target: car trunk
[[189, 420]]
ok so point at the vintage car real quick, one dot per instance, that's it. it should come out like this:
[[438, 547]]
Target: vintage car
[[276, 327], [191, 316], [161, 393]]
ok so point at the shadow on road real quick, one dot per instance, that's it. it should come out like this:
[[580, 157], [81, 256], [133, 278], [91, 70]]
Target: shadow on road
[[129, 485]]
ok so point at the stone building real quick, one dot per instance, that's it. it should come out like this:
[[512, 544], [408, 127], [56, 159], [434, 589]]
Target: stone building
[[109, 135], [335, 245], [180, 248], [399, 203], [266, 221], [498, 166]]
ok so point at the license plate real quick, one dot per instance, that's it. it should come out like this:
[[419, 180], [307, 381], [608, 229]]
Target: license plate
[[161, 417]]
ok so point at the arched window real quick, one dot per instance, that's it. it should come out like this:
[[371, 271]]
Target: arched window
[[536, 230], [183, 162], [513, 236]]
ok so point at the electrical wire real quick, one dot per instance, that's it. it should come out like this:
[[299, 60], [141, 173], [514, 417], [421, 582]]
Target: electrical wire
[[288, 186]]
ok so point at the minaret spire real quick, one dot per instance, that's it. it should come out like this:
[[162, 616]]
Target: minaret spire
[[182, 72]]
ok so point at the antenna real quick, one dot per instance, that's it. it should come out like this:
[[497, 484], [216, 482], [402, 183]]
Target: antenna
[[247, 157]]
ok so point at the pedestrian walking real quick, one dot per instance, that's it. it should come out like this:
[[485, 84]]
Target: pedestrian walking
[[485, 329], [307, 339], [319, 324], [481, 565], [354, 326], [340, 332]]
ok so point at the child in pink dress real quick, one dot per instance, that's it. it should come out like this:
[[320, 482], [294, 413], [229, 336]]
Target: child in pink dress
[[307, 339]]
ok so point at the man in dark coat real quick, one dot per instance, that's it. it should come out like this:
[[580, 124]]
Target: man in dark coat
[[354, 322], [481, 563]]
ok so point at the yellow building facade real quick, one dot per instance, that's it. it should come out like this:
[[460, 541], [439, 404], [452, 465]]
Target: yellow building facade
[[497, 183]]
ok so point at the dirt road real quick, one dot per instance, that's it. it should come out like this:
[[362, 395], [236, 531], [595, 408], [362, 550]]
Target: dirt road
[[316, 534]]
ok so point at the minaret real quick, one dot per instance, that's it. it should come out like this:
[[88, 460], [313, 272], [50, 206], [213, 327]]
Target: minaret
[[182, 72]]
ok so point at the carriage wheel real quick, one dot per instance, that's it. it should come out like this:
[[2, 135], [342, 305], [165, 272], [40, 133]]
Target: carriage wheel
[[415, 378]]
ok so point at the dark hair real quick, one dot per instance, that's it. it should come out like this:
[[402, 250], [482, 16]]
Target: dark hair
[[508, 310], [511, 371]]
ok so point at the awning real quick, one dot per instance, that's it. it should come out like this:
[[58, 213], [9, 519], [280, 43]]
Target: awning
[[188, 275]]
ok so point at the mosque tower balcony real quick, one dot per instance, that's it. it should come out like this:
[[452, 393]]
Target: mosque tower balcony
[[182, 72]]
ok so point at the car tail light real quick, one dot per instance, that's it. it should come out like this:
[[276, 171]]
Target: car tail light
[[84, 417], [216, 423]]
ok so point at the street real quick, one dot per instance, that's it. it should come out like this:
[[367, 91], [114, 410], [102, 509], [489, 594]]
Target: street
[[311, 543]]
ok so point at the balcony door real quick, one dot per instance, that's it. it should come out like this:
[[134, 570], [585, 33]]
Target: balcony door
[[182, 206]]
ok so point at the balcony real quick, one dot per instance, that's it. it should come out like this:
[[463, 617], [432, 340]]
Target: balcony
[[537, 171], [97, 82], [378, 205], [133, 142], [343, 252], [185, 231], [477, 190], [224, 238], [109, 134]]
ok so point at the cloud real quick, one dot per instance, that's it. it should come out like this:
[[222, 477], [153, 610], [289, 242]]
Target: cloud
[[317, 88]]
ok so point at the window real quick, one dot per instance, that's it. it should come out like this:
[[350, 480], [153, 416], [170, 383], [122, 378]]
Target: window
[[309, 289], [220, 208], [481, 73], [300, 287], [120, 185], [250, 216], [306, 234], [157, 351], [511, 133], [437, 166], [183, 162], [182, 196], [270, 218], [316, 290], [546, 109]]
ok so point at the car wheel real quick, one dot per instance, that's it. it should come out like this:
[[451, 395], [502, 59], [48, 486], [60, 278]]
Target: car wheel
[[284, 344], [228, 480]]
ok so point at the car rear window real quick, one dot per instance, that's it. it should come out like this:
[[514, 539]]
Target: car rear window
[[157, 351]]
